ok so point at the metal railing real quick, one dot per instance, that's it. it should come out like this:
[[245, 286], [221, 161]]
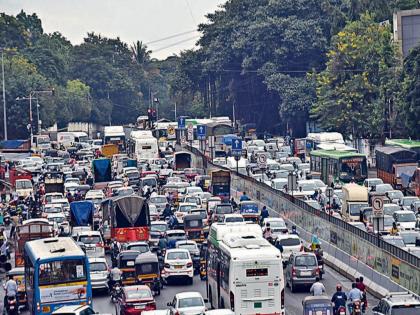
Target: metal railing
[[371, 238]]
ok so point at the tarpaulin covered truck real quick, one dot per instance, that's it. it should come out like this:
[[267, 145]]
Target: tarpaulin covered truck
[[81, 213], [102, 172]]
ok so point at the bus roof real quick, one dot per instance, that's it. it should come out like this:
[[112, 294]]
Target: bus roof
[[245, 247], [54, 247], [323, 137], [404, 143], [354, 192], [140, 134], [219, 230], [114, 130], [335, 154]]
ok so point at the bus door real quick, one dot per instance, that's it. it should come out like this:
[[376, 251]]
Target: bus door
[[324, 170], [218, 279]]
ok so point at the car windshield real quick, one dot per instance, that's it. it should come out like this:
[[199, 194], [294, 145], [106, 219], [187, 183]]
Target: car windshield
[[142, 248], [354, 208], [408, 201], [149, 182], [302, 261], [177, 255], [188, 246], [185, 208], [138, 294], [395, 241], [388, 221], [23, 184], [320, 184], [405, 310], [93, 239], [158, 227], [190, 302], [277, 224], [98, 266], [202, 214], [176, 235], [374, 182], [290, 242], [234, 219], [52, 210], [192, 200], [406, 217], [56, 219], [307, 186], [383, 188], [224, 209], [157, 200], [410, 238], [389, 209], [395, 194], [192, 190]]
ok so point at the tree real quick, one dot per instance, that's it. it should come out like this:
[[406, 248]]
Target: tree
[[351, 93], [140, 53], [12, 32]]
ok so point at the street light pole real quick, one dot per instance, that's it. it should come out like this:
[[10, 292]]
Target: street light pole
[[37, 116], [4, 96]]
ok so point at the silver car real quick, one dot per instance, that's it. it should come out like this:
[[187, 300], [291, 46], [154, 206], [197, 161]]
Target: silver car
[[99, 273]]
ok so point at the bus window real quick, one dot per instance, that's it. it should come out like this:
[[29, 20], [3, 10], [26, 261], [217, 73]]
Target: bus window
[[62, 271]]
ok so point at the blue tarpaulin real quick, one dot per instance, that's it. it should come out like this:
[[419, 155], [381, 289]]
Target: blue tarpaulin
[[81, 213], [102, 170], [12, 144]]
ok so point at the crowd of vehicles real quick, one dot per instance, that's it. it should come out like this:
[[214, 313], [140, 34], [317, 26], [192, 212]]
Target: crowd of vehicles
[[132, 205]]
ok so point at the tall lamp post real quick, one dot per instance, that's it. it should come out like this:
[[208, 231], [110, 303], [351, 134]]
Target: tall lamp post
[[30, 98], [4, 95]]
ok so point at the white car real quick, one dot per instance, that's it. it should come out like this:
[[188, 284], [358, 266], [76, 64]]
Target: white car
[[290, 243], [277, 226], [92, 243], [61, 225], [178, 263], [76, 310], [233, 217], [370, 182], [183, 209], [188, 303], [63, 202], [405, 219], [99, 273]]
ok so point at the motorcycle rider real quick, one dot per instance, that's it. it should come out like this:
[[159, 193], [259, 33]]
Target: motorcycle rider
[[339, 298], [361, 286], [11, 289], [115, 277], [317, 288], [264, 214], [354, 295]]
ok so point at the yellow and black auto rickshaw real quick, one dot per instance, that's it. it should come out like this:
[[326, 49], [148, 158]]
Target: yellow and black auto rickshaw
[[148, 272], [126, 263], [194, 227]]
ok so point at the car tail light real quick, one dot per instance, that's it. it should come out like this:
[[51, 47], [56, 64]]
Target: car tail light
[[189, 265], [317, 271], [232, 301], [150, 306], [282, 298], [293, 271], [100, 244], [167, 266], [177, 313]]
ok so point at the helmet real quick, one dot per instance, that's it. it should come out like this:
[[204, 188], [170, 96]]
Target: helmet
[[338, 287]]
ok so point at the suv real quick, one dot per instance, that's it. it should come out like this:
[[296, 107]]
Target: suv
[[75, 310], [398, 303], [92, 243], [302, 269]]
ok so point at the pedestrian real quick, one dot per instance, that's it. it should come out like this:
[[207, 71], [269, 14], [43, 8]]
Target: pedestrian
[[15, 222], [264, 213], [317, 288]]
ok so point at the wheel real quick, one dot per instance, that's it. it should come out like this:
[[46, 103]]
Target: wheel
[[211, 299], [292, 287], [222, 304], [191, 280]]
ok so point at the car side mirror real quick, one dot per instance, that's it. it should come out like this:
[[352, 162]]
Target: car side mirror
[[206, 300], [375, 309], [169, 304]]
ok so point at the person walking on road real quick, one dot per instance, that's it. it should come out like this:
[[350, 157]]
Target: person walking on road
[[317, 288], [264, 214]]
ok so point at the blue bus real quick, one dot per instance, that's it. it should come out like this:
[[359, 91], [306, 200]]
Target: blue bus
[[56, 274]]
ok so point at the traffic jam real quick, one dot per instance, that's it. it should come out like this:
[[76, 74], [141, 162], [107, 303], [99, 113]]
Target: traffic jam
[[132, 214]]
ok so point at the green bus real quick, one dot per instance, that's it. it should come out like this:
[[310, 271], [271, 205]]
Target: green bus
[[413, 145], [339, 166]]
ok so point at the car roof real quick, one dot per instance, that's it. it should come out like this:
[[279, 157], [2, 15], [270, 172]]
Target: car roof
[[403, 212], [70, 308], [401, 298], [136, 287], [175, 231], [286, 236], [184, 295], [89, 233], [177, 250], [97, 259], [185, 242]]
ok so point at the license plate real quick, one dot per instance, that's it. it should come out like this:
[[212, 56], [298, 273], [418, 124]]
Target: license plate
[[178, 267], [306, 273], [257, 304], [139, 307]]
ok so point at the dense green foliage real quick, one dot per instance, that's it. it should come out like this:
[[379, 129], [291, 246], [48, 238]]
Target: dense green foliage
[[276, 63]]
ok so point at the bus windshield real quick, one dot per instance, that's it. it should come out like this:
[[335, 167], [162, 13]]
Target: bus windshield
[[350, 170], [23, 184], [354, 208], [62, 271]]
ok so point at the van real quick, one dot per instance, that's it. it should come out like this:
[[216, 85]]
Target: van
[[355, 198]]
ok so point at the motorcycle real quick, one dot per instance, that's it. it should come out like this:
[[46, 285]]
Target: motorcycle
[[116, 293], [341, 311], [355, 307], [11, 307]]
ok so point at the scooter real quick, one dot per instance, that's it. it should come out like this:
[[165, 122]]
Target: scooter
[[116, 293], [356, 307], [341, 311], [11, 307]]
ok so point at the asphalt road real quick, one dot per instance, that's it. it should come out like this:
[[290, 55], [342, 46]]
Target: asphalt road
[[103, 304]]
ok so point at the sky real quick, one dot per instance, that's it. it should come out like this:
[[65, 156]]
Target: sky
[[131, 20]]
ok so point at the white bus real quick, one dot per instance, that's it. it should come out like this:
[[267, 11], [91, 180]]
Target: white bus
[[244, 271], [70, 138], [143, 146]]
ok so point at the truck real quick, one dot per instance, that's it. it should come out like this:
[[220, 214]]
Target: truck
[[115, 135], [29, 230], [220, 184], [102, 171], [355, 197], [109, 150], [392, 163], [182, 160], [54, 182], [81, 213]]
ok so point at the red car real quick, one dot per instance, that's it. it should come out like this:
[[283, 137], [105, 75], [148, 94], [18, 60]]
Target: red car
[[136, 299]]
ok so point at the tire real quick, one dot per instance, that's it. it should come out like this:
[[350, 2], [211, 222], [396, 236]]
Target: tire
[[222, 304], [292, 287], [191, 281], [211, 299]]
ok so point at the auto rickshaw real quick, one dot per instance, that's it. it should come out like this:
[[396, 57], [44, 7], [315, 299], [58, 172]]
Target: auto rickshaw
[[250, 211], [18, 274], [203, 261], [126, 260], [194, 227], [317, 305], [148, 272]]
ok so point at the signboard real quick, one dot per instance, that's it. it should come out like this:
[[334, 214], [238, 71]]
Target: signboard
[[67, 292], [190, 132], [237, 147], [171, 132], [262, 161], [201, 132], [378, 206], [181, 122], [211, 141]]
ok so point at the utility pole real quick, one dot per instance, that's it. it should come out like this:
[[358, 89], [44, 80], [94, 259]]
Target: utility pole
[[175, 112], [4, 96]]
